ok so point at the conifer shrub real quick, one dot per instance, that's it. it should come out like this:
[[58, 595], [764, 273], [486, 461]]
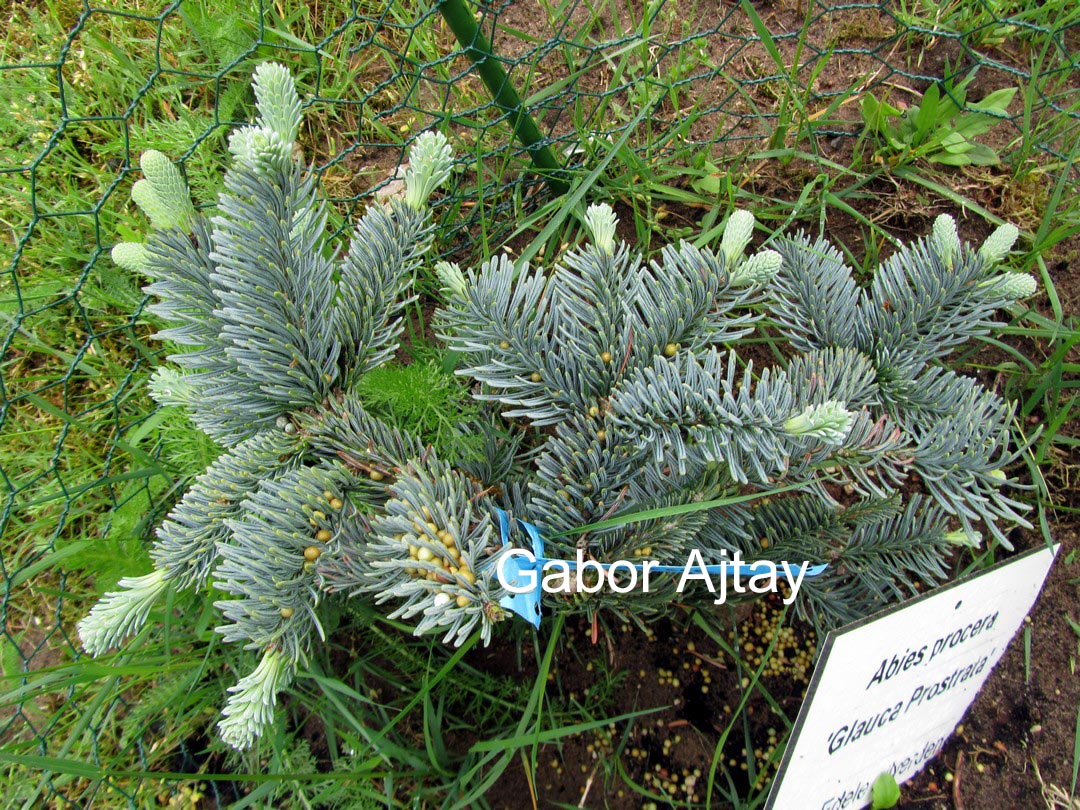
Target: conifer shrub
[[604, 387]]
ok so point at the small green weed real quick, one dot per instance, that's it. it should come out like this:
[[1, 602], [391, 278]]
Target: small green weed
[[884, 793], [424, 399], [942, 128]]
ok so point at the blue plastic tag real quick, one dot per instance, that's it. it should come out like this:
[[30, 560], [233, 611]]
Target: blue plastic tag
[[526, 605]]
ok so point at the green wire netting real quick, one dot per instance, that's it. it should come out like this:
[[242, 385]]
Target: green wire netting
[[84, 94]]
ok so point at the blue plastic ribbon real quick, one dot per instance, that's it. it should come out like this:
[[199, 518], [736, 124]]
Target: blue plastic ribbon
[[519, 571]]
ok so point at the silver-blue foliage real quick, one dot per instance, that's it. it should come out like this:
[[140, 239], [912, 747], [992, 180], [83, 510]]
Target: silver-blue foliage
[[611, 386]]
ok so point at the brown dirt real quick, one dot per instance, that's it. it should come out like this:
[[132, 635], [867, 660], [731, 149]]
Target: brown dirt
[[1014, 744], [690, 690]]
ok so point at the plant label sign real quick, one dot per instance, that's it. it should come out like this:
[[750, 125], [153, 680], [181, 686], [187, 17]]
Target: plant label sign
[[889, 690]]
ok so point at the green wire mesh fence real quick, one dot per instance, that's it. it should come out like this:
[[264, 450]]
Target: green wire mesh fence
[[86, 87]]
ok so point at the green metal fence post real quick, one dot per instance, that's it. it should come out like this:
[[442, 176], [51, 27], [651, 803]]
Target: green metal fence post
[[476, 45]]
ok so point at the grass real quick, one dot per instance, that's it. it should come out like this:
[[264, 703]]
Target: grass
[[646, 112]]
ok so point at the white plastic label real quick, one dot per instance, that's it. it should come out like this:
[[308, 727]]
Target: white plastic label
[[889, 691]]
